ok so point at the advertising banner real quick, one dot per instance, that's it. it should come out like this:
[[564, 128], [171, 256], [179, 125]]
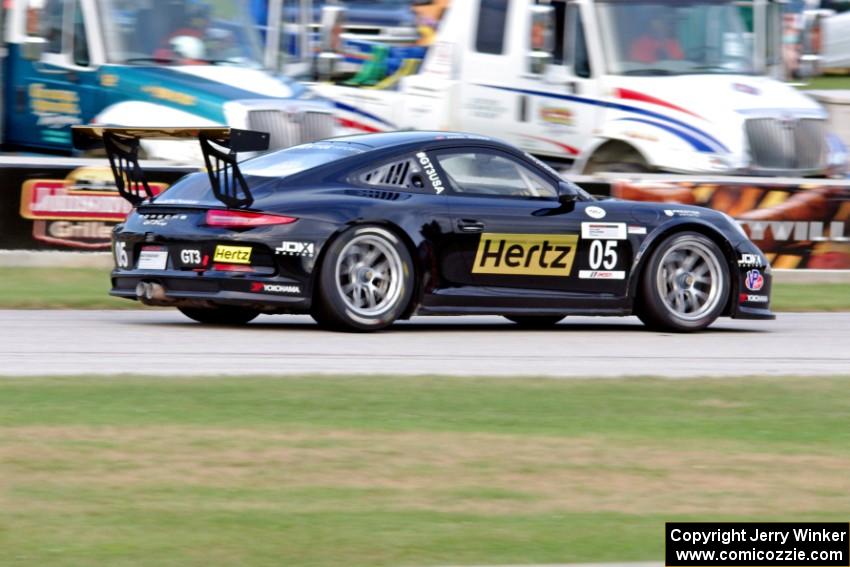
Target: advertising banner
[[796, 226], [59, 205]]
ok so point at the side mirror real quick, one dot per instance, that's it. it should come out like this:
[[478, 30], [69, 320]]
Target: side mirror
[[541, 38], [567, 194], [32, 49]]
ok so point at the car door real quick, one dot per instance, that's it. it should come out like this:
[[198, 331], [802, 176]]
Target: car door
[[59, 88], [515, 234]]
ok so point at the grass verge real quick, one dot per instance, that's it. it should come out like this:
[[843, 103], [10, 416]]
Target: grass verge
[[827, 82], [327, 471], [87, 288]]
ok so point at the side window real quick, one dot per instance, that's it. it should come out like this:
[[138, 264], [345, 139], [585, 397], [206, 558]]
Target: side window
[[559, 56], [81, 44], [490, 37], [581, 59], [488, 173], [402, 173], [45, 19], [575, 43]]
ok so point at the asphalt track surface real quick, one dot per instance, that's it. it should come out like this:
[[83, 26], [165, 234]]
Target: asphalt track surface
[[164, 342]]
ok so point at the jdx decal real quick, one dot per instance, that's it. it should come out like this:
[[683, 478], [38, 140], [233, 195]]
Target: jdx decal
[[525, 254], [431, 172]]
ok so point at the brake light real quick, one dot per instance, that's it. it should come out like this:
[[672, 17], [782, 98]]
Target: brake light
[[243, 219], [232, 268]]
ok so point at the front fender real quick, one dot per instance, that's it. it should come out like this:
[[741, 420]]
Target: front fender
[[672, 226]]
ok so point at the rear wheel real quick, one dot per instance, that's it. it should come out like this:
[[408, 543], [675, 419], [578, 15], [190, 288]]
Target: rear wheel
[[535, 321], [220, 315], [685, 285], [366, 281]]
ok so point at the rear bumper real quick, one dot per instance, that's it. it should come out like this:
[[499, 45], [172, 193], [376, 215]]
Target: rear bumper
[[268, 295]]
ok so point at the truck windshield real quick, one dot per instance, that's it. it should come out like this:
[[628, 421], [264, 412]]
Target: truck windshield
[[179, 32], [675, 37]]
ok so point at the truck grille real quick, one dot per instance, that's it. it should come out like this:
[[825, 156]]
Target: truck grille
[[291, 128], [788, 144]]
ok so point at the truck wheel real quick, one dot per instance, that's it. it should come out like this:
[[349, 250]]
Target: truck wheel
[[365, 282], [685, 284], [535, 321], [220, 315]]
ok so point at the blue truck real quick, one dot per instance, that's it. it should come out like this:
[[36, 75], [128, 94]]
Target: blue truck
[[174, 63]]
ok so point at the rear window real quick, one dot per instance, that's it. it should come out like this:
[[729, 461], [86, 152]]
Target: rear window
[[195, 189], [294, 160], [263, 173]]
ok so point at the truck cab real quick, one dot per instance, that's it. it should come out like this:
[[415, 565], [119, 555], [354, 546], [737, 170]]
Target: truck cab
[[144, 63], [620, 85]]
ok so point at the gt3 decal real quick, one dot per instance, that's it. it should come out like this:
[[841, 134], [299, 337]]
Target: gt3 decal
[[525, 254], [232, 254]]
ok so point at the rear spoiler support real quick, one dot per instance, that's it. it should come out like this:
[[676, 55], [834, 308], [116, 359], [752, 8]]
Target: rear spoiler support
[[123, 154], [218, 145]]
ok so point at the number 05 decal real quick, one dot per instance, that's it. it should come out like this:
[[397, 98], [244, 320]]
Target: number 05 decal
[[603, 254]]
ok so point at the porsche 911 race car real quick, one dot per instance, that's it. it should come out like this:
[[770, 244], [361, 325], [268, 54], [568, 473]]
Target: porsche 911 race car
[[361, 231]]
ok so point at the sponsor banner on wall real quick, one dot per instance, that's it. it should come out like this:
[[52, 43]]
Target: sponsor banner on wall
[[796, 226], [66, 208]]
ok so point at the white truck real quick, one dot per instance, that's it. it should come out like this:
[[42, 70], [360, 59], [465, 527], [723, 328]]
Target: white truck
[[683, 86]]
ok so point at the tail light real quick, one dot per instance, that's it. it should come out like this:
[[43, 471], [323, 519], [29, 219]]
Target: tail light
[[243, 219]]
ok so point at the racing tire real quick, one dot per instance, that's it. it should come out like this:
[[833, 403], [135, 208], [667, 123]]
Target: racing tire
[[535, 321], [685, 285], [365, 281], [220, 315]]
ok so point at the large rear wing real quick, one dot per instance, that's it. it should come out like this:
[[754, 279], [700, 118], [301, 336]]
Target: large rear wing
[[218, 145]]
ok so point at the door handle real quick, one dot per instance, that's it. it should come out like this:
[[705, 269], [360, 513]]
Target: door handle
[[470, 225]]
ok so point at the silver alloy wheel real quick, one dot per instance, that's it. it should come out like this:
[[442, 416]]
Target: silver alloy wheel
[[689, 279], [369, 275]]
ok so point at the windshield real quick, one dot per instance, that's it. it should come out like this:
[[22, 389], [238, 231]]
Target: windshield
[[179, 32], [675, 38]]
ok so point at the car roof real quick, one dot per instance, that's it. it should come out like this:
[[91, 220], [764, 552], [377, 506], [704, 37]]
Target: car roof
[[391, 139]]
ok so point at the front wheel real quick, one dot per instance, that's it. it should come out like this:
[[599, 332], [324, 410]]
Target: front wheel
[[685, 286], [220, 315], [366, 280]]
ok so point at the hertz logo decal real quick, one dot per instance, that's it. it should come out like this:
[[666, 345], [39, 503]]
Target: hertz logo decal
[[526, 254]]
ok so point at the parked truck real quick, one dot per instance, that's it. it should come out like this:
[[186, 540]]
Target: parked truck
[[144, 63], [685, 86]]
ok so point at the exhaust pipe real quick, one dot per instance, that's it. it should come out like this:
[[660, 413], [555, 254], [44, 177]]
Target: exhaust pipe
[[152, 293]]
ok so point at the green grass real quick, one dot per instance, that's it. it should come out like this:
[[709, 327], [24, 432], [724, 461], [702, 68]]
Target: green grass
[[47, 288], [87, 288], [827, 82], [811, 297], [324, 471]]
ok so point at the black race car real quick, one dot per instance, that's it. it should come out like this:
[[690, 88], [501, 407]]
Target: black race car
[[364, 230]]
